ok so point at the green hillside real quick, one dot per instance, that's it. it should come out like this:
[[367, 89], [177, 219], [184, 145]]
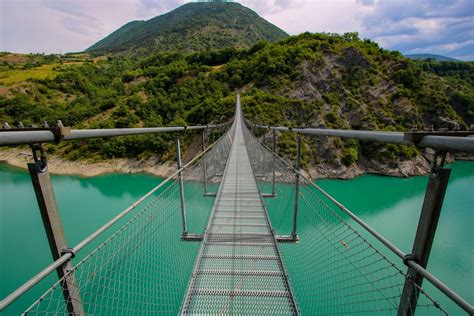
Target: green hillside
[[191, 27], [319, 80]]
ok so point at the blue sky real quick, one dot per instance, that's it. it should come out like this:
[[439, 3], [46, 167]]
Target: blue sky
[[443, 27]]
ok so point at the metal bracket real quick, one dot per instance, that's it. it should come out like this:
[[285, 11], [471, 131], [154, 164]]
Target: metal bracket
[[69, 250], [59, 132], [435, 164], [410, 257], [40, 161]]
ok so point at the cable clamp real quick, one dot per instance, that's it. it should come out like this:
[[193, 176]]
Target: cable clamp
[[410, 257], [59, 132], [70, 251]]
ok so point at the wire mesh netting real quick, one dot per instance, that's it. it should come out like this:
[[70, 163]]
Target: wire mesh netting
[[239, 270], [333, 268], [144, 266]]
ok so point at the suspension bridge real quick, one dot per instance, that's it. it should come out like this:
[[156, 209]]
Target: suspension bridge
[[155, 257], [239, 252]]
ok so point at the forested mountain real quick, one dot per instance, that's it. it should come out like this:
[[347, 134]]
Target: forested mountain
[[430, 56], [191, 27], [319, 80]]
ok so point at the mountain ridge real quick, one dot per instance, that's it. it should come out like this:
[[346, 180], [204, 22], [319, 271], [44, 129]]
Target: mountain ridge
[[431, 56], [320, 80], [194, 26]]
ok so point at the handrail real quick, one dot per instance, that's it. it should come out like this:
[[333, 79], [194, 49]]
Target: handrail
[[460, 301], [65, 257], [23, 136], [436, 140]]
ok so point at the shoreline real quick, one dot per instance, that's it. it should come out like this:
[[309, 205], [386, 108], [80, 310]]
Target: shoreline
[[86, 169], [19, 158]]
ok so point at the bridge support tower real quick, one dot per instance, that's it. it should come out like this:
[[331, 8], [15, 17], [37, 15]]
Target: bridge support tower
[[425, 233], [54, 228]]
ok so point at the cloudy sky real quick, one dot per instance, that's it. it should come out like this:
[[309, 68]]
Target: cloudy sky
[[411, 26]]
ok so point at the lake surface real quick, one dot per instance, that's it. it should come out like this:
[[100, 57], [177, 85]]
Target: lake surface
[[390, 205]]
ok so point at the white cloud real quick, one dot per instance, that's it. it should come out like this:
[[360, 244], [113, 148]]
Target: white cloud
[[406, 25], [447, 48], [317, 16], [147, 9], [422, 26], [264, 7]]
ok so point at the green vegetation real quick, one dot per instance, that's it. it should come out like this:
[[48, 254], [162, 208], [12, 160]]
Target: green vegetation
[[163, 89], [15, 76], [191, 27], [317, 80]]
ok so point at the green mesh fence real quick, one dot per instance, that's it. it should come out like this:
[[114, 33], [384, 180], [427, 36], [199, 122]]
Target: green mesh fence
[[334, 270], [144, 266]]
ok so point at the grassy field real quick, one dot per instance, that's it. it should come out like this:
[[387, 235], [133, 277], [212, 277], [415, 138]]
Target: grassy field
[[11, 77], [16, 69]]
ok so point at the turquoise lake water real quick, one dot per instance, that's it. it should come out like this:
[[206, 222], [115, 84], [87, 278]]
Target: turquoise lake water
[[390, 205]]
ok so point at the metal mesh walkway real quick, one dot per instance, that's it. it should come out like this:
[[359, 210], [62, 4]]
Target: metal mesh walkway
[[239, 269]]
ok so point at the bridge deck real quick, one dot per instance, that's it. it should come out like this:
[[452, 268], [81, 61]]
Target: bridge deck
[[239, 269]]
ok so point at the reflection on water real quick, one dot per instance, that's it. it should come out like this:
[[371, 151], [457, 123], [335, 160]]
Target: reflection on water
[[115, 186]]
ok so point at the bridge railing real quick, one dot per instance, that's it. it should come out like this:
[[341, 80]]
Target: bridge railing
[[462, 141], [335, 269], [141, 259]]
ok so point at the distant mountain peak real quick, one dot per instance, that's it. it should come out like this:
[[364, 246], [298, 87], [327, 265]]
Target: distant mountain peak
[[430, 56], [194, 26]]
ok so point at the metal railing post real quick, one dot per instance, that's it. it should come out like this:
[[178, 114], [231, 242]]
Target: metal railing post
[[274, 162], [261, 154], [221, 127], [54, 229], [425, 233], [181, 187], [294, 236], [257, 155], [214, 154], [204, 160]]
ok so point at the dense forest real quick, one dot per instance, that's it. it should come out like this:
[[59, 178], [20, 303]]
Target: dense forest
[[319, 80]]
